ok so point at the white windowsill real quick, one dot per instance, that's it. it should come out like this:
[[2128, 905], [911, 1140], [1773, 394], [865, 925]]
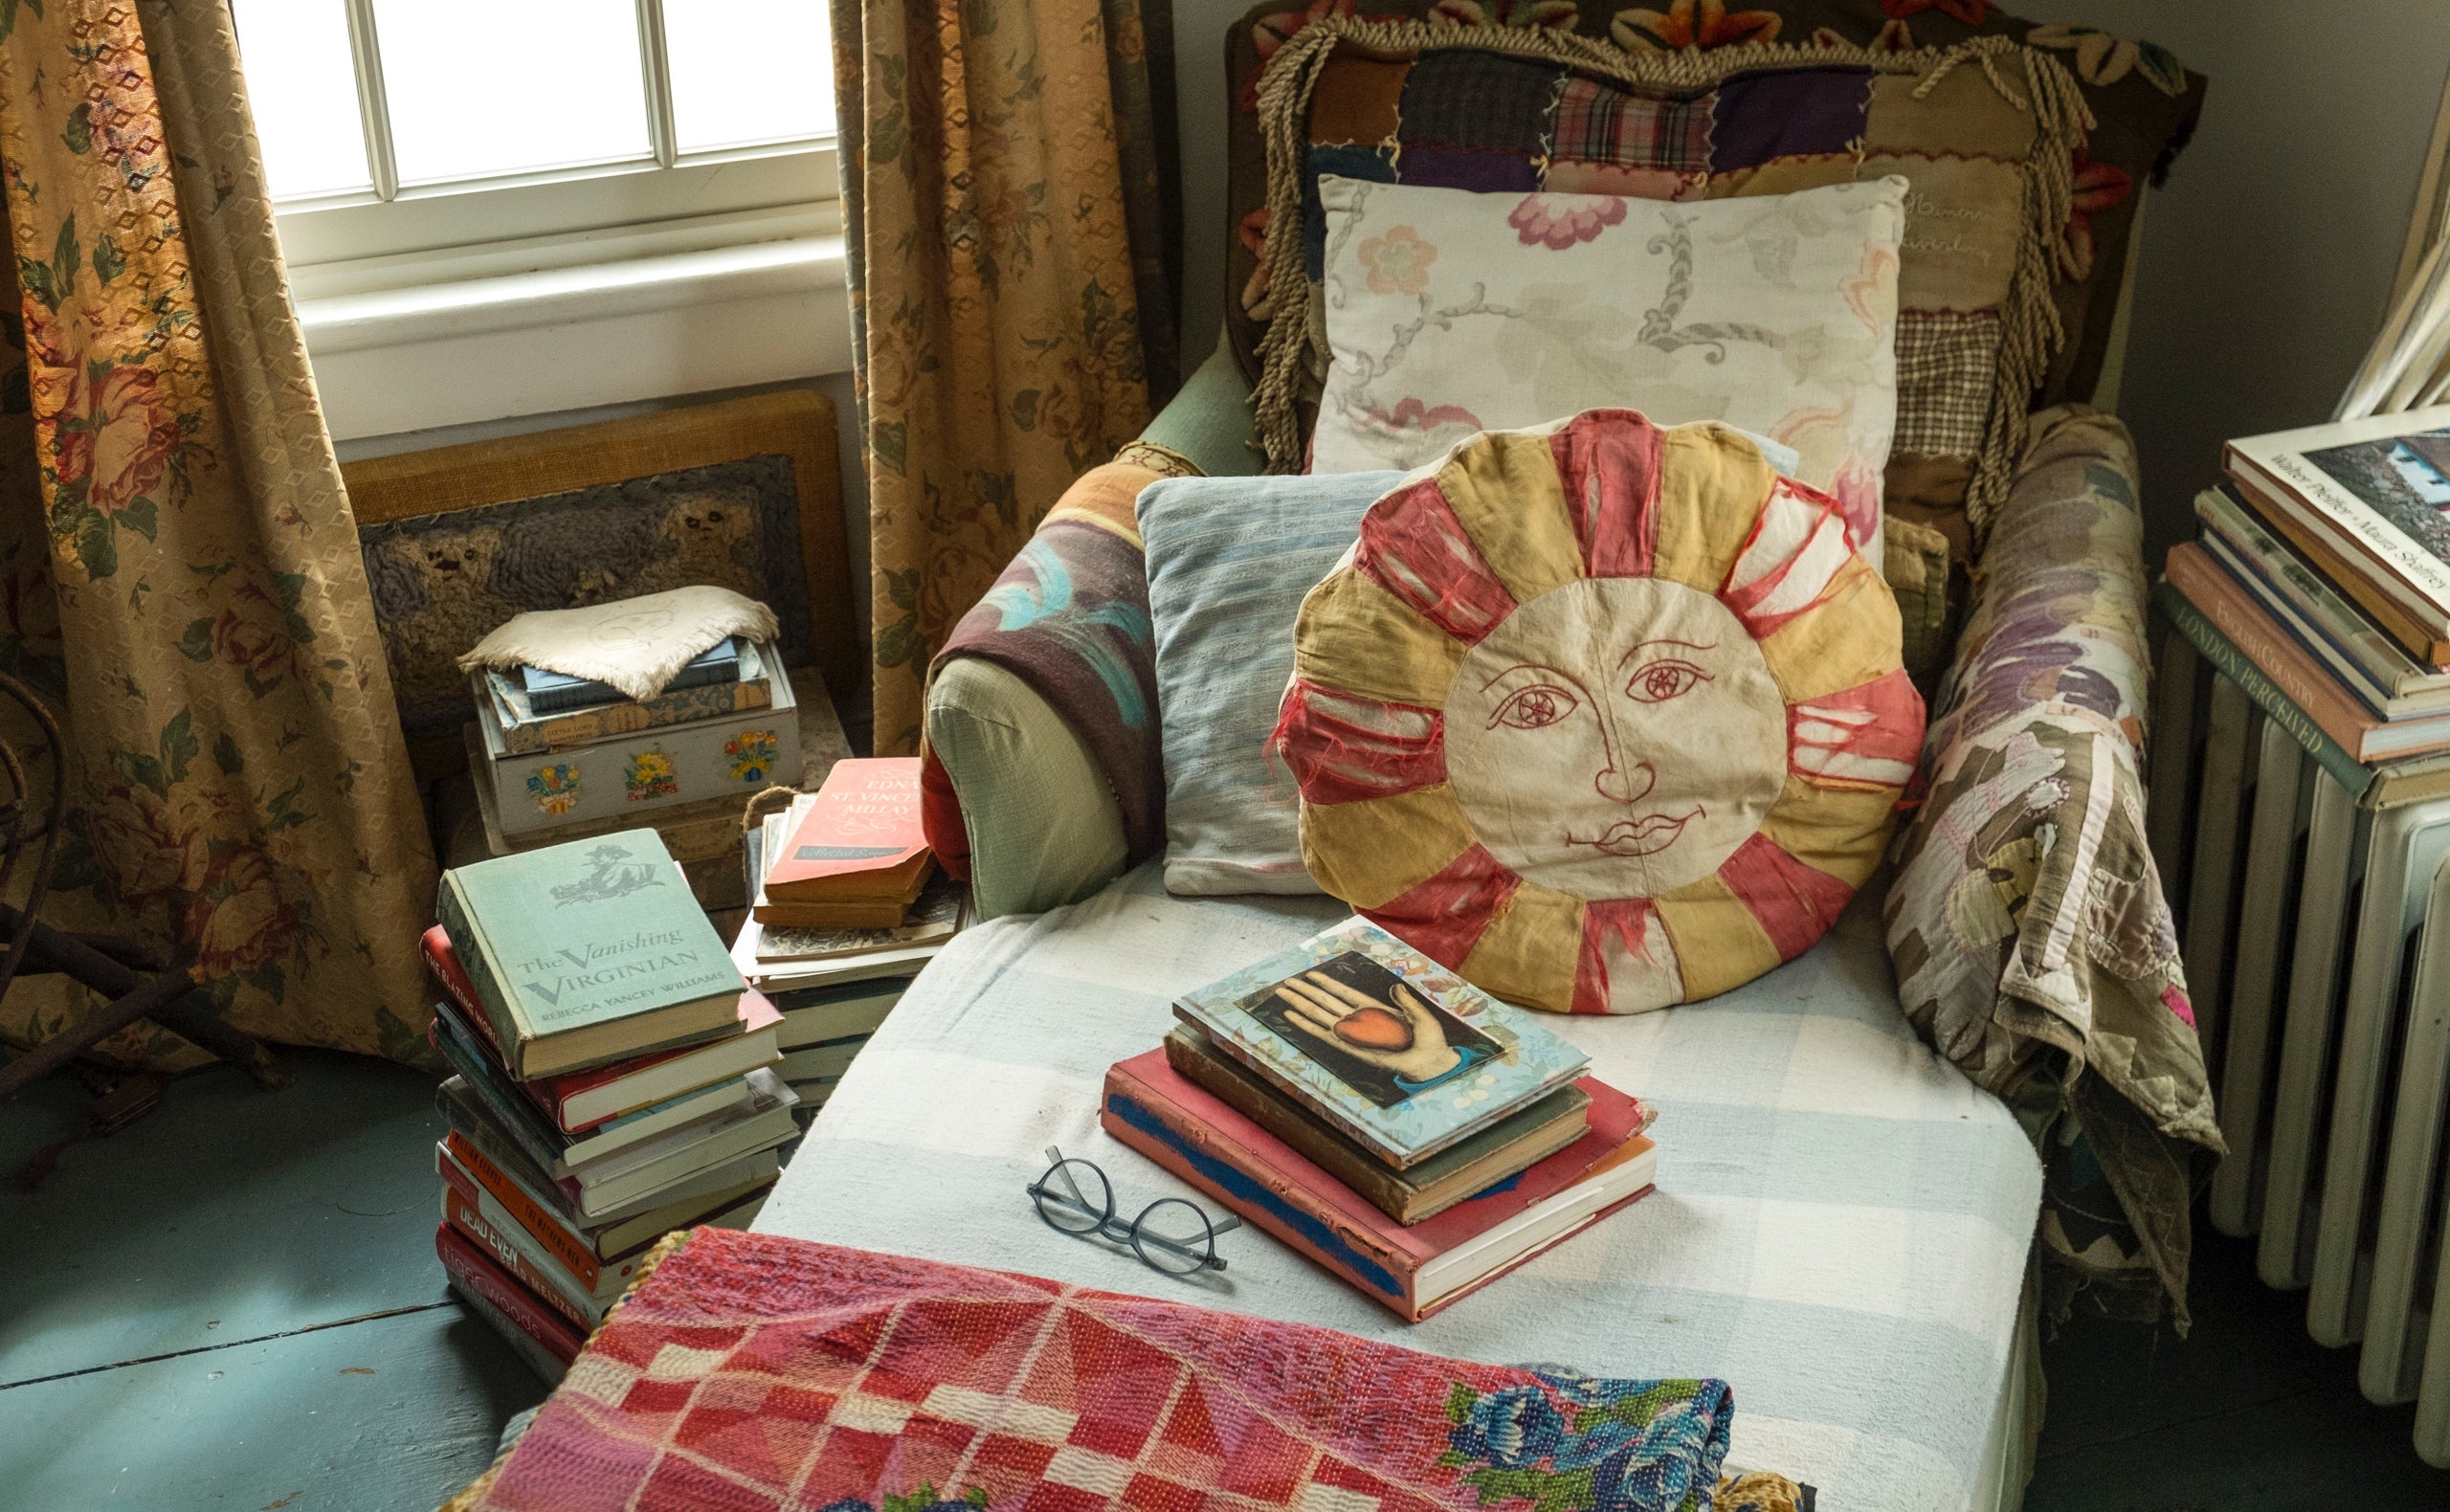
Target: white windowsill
[[419, 340]]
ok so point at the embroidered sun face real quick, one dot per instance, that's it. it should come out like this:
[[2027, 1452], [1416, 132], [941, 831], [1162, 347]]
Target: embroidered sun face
[[1603, 716]]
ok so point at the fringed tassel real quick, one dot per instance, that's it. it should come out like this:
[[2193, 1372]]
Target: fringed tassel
[[2031, 331]]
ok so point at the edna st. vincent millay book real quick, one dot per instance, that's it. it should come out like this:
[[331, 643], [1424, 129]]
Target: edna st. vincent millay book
[[1391, 1048], [588, 952]]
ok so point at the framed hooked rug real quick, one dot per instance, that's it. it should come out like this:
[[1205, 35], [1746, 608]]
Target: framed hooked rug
[[745, 494]]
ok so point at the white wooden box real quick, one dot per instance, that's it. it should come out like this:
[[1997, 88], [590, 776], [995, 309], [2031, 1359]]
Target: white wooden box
[[636, 776]]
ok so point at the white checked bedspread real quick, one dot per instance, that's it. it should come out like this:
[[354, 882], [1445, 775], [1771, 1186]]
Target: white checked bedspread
[[1840, 1231]]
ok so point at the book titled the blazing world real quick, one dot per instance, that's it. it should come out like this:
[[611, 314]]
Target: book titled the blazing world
[[588, 952]]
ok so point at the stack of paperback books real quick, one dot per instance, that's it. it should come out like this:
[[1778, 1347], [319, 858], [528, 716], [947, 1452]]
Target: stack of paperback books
[[2321, 585], [617, 1080], [845, 907], [1374, 1111]]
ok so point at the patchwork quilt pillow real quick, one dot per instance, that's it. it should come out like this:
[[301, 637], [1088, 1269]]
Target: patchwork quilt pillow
[[1229, 560], [1450, 312], [1990, 134], [1604, 716]]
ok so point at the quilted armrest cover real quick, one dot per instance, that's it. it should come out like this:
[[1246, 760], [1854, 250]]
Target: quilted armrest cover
[[1043, 780], [2031, 941]]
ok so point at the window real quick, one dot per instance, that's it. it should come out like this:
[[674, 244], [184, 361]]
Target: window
[[444, 169]]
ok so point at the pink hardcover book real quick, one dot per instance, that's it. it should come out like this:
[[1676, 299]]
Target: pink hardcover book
[[1414, 1271]]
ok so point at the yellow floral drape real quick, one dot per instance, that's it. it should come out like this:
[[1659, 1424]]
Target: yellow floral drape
[[179, 570], [1002, 183]]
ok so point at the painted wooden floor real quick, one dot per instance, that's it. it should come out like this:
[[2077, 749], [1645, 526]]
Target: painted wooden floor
[[2246, 1413], [235, 1305]]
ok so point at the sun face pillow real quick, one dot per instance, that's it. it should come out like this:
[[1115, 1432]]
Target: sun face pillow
[[1603, 715]]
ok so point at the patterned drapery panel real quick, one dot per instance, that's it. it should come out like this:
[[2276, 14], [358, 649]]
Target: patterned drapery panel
[[1001, 182], [179, 570]]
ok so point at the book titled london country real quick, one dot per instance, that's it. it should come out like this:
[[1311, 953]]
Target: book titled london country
[[590, 952]]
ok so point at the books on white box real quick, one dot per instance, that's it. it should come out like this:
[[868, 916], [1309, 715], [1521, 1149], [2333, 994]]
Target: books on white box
[[635, 774]]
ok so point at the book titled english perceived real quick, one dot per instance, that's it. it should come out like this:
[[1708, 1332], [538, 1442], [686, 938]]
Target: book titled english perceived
[[588, 952]]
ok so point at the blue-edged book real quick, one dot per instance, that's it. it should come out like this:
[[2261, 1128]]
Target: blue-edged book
[[1391, 1048]]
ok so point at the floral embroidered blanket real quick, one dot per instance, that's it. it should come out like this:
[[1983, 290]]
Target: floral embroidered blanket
[[750, 1371]]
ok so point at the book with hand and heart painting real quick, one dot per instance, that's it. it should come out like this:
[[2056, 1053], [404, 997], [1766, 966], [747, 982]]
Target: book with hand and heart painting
[[1393, 1049]]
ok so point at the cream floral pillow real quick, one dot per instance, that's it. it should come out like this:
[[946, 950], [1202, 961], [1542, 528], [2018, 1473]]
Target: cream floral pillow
[[1450, 312]]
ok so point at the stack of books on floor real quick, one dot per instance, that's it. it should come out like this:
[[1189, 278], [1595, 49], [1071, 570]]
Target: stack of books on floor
[[2321, 584], [846, 906], [1395, 1124], [615, 1080]]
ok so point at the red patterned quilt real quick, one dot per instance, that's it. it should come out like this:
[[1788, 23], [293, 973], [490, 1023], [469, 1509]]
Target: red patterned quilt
[[749, 1371]]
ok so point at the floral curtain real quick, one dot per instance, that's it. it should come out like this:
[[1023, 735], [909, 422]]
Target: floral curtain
[[1011, 295], [179, 570]]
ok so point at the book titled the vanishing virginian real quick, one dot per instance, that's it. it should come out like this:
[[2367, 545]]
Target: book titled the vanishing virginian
[[588, 952], [1380, 1041]]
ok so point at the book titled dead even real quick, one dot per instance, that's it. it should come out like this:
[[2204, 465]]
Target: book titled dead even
[[588, 952]]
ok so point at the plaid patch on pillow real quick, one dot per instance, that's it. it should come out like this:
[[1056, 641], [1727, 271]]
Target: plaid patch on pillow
[[1601, 125]]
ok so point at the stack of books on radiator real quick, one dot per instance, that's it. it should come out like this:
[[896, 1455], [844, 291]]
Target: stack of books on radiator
[[846, 906], [615, 1080], [1398, 1126], [2320, 583]]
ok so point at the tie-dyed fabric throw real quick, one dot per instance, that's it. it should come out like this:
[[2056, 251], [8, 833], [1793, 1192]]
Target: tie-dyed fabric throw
[[749, 1371], [1604, 716]]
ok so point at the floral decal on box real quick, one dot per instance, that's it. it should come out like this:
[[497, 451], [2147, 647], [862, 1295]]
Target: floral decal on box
[[1573, 1441], [753, 754], [555, 786], [651, 777]]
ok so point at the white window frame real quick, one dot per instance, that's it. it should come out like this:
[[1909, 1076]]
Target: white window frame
[[430, 305]]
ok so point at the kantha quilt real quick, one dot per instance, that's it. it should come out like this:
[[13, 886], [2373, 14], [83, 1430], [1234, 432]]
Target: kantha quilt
[[747, 1371]]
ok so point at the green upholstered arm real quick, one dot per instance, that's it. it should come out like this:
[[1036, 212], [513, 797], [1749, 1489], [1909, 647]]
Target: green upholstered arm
[[1208, 423], [1042, 821]]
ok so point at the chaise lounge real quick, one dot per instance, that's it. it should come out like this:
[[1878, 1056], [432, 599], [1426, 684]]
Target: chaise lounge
[[1970, 1105]]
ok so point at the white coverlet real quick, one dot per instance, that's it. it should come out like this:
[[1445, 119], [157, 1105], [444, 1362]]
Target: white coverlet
[[1840, 1231]]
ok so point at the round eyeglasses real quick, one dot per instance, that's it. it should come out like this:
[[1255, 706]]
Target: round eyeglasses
[[1170, 1234]]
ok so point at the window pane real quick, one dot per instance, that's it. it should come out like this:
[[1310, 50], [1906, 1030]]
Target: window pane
[[747, 71], [504, 87], [303, 88]]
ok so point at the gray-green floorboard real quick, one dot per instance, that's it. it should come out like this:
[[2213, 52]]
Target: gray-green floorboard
[[235, 1303]]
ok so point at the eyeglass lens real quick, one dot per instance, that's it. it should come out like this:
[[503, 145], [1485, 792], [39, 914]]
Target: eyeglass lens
[[1174, 1237], [1073, 1197]]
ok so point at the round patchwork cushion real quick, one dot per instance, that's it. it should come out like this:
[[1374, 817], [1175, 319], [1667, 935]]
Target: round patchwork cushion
[[1603, 715]]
